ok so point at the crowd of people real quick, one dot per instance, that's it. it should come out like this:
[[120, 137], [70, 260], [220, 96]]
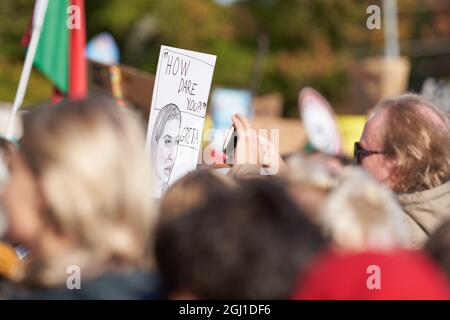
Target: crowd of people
[[77, 194]]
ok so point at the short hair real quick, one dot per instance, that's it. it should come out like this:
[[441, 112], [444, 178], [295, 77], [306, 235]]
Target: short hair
[[89, 160], [193, 190], [360, 214], [438, 247], [249, 244], [417, 138], [168, 112]]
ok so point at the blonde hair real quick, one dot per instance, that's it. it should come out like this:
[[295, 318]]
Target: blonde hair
[[309, 172], [309, 182], [417, 138], [90, 163], [360, 214]]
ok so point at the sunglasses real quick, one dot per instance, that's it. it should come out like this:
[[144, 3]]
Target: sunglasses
[[359, 153]]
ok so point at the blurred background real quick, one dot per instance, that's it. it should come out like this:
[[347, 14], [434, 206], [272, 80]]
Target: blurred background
[[273, 48]]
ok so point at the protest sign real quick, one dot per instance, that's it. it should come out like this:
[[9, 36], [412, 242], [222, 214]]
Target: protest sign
[[227, 101], [268, 105], [351, 127], [320, 122], [224, 103], [177, 114]]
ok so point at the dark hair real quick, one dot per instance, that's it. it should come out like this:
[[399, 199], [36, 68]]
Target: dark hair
[[438, 247], [192, 190], [249, 244]]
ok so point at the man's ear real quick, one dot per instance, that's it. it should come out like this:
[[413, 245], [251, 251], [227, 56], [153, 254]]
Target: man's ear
[[389, 166]]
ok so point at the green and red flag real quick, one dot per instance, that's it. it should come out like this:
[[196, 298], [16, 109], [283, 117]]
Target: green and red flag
[[60, 53]]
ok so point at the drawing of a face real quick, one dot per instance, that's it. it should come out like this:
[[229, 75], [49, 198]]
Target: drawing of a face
[[165, 139], [166, 149]]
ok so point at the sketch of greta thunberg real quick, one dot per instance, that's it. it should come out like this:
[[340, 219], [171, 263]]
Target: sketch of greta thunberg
[[177, 114], [164, 145]]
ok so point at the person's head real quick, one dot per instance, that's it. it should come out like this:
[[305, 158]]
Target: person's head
[[193, 190], [308, 183], [333, 163], [359, 214], [438, 247], [80, 189], [406, 144], [248, 244], [165, 139]]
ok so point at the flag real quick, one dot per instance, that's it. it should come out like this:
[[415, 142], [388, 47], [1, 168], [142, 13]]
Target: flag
[[52, 54], [60, 52]]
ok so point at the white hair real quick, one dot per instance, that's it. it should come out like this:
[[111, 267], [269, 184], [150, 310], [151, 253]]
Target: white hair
[[360, 214]]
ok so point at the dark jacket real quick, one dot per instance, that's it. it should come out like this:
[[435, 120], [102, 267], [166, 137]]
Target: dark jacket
[[109, 286]]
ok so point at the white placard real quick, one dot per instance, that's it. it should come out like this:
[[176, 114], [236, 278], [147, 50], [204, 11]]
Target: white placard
[[180, 98], [320, 122]]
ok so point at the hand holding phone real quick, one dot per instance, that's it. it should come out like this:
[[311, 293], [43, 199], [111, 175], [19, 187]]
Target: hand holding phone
[[230, 140], [230, 144], [248, 147]]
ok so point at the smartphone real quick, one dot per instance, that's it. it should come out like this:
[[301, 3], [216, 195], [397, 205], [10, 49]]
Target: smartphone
[[230, 143]]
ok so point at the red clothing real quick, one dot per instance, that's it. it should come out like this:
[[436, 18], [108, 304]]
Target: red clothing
[[373, 275]]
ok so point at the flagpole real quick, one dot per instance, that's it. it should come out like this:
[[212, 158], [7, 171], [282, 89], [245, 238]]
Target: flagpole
[[77, 61], [38, 21], [392, 48]]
